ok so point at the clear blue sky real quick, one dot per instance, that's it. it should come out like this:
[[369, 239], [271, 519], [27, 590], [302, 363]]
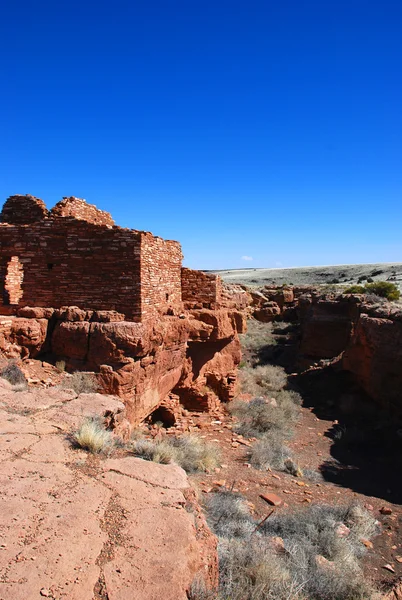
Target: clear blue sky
[[269, 130]]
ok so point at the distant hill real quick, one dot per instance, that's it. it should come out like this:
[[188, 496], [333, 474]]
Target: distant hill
[[341, 274]]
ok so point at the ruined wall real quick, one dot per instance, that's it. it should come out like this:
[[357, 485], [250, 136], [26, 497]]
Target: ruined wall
[[199, 288], [79, 209], [71, 262], [160, 276], [75, 256], [21, 210]]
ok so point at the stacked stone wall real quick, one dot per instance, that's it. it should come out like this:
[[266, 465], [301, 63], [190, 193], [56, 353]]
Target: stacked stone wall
[[200, 290], [21, 210], [79, 209], [160, 276], [70, 262]]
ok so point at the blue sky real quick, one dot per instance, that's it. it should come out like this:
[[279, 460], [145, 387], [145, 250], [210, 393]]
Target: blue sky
[[263, 130]]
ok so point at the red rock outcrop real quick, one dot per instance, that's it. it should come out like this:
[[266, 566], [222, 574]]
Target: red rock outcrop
[[76, 288], [75, 528]]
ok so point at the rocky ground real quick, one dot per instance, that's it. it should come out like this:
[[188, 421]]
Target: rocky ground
[[78, 526], [334, 274]]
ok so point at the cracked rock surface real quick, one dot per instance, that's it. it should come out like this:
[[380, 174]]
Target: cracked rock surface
[[82, 527]]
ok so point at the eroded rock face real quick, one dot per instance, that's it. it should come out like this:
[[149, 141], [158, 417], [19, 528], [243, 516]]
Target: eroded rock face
[[74, 526], [374, 356], [142, 363]]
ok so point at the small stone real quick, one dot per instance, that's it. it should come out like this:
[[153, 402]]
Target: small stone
[[368, 544], [398, 559], [385, 510], [389, 568], [271, 499], [45, 592], [342, 530]]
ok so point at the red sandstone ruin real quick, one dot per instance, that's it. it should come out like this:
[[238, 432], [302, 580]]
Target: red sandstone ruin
[[78, 288]]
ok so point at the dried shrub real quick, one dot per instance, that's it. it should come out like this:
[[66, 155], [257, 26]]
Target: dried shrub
[[262, 415], [257, 336], [188, 451], [262, 379], [61, 365], [319, 560], [159, 452], [12, 373], [81, 383], [92, 436]]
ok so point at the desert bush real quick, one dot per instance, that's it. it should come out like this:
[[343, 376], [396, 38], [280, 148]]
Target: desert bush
[[261, 415], [262, 379], [270, 453], [318, 561], [229, 515], [257, 336], [81, 383], [355, 289], [92, 436], [160, 452], [385, 289], [188, 451], [61, 365], [12, 373]]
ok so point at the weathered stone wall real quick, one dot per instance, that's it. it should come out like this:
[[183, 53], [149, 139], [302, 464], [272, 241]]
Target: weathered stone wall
[[199, 288], [21, 210], [79, 209], [66, 261], [160, 276], [75, 256]]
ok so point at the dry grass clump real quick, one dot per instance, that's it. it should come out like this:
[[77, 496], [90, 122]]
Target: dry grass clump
[[263, 415], [257, 336], [81, 383], [263, 379], [188, 451], [92, 436], [318, 562], [13, 374]]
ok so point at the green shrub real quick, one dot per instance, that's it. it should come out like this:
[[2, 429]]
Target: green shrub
[[355, 289], [385, 289]]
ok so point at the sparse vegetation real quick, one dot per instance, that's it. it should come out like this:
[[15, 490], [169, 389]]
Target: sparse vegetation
[[188, 451], [384, 289], [262, 415], [262, 379], [81, 383], [257, 336], [61, 365], [13, 374], [92, 436], [310, 554]]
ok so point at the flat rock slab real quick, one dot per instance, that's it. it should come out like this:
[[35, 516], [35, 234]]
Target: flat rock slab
[[74, 526]]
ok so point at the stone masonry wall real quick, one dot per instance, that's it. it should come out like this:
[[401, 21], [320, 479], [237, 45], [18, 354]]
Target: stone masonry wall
[[71, 262], [21, 210], [78, 208], [75, 256], [199, 288], [160, 276]]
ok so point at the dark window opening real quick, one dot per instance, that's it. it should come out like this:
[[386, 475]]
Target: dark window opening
[[167, 297], [50, 266]]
